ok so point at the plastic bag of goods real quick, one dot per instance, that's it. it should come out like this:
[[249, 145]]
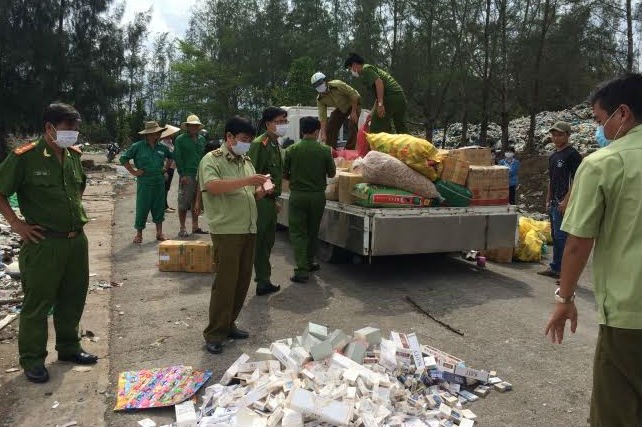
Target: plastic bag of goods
[[529, 248], [379, 196], [454, 195], [417, 153], [362, 140], [383, 169], [345, 154], [544, 227]]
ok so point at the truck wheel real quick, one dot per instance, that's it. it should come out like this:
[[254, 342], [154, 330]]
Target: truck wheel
[[331, 253]]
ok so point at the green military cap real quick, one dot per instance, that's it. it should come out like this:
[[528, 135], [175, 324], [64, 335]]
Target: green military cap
[[561, 127]]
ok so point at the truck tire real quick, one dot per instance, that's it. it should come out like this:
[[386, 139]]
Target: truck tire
[[331, 253]]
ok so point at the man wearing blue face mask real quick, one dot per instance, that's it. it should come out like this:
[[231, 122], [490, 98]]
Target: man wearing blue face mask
[[54, 261], [230, 187], [562, 165], [604, 215]]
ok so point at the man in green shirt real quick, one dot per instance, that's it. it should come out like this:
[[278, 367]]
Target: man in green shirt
[[308, 164], [230, 187], [390, 100], [266, 157], [152, 161], [189, 149], [346, 103], [605, 210], [54, 263]]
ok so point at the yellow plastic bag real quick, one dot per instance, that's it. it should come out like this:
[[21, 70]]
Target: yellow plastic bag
[[415, 152], [543, 227], [530, 248]]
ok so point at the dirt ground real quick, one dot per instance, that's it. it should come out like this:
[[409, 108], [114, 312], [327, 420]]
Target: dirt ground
[[156, 319]]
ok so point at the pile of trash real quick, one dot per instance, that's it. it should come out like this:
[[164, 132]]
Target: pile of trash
[[579, 117], [326, 377], [10, 290]]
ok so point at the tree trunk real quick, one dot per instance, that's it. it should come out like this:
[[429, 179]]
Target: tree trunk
[[483, 133], [504, 77], [629, 37]]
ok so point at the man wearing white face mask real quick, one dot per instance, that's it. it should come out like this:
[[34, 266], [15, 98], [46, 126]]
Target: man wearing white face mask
[[512, 164], [346, 103], [54, 263], [604, 215], [230, 187]]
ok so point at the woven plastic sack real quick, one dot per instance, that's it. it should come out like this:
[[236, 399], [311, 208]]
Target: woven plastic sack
[[362, 140], [529, 248], [379, 196], [454, 195], [417, 153], [383, 169], [544, 227]]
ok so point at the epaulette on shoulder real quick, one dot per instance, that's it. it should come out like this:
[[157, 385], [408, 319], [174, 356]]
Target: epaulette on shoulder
[[265, 141], [25, 147], [217, 153], [76, 149]]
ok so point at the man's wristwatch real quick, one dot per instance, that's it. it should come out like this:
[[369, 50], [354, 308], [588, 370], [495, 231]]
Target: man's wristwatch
[[563, 300]]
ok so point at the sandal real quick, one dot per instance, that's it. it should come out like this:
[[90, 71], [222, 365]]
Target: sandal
[[199, 231], [160, 237], [183, 233], [138, 240]]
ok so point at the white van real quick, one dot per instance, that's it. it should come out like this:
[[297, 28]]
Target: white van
[[295, 114]]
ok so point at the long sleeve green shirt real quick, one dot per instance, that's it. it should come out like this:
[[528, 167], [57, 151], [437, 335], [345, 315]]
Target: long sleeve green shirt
[[188, 153], [339, 95], [266, 158]]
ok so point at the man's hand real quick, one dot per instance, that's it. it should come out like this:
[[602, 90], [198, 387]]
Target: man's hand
[[259, 193], [555, 326], [322, 136], [562, 206], [28, 232], [381, 110], [548, 206], [256, 180], [278, 207], [137, 172], [185, 180], [198, 209], [354, 117]]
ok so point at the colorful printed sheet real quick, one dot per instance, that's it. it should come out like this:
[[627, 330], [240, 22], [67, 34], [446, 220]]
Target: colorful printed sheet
[[157, 388]]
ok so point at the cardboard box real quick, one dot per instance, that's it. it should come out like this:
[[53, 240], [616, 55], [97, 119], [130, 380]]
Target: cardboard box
[[500, 255], [489, 185], [347, 181], [199, 257], [189, 256], [454, 170], [171, 256], [476, 156]]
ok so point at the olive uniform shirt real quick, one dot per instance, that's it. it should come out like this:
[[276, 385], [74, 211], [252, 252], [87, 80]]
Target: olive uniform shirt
[[339, 95], [370, 74], [266, 157], [150, 159], [233, 212], [307, 164], [49, 193], [188, 153], [606, 204]]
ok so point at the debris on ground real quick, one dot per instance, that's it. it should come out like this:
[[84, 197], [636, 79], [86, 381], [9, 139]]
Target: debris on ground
[[326, 377]]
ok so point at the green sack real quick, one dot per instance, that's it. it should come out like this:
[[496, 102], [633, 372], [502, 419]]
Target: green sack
[[454, 195], [379, 196]]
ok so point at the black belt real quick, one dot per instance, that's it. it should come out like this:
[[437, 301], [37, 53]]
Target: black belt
[[50, 234]]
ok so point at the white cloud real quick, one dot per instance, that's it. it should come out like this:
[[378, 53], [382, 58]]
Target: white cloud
[[171, 16]]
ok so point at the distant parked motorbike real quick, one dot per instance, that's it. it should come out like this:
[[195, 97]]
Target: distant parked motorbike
[[112, 150]]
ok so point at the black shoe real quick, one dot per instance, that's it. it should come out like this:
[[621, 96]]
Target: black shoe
[[315, 267], [299, 279], [549, 273], [238, 334], [81, 358], [266, 288], [38, 374], [215, 347]]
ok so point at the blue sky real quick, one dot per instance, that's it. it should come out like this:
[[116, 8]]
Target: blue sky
[[170, 16]]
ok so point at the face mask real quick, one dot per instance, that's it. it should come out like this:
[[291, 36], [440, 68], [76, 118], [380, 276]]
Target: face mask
[[322, 88], [281, 129], [241, 148], [354, 73], [600, 136], [65, 138], [509, 155]]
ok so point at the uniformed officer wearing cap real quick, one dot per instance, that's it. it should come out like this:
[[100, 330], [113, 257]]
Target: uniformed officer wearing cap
[[266, 157], [307, 164], [48, 178], [230, 187], [152, 161], [346, 103]]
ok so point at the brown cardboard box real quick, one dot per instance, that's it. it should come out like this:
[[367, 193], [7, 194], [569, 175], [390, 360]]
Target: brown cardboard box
[[489, 185], [347, 180], [476, 156], [199, 257], [500, 255], [171, 256], [454, 170]]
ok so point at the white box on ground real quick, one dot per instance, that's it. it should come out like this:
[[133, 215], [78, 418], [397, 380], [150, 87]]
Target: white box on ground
[[356, 351], [185, 414], [330, 411], [369, 334], [317, 331], [233, 370]]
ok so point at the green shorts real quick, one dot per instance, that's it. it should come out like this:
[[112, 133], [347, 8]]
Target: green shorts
[[617, 378], [186, 194]]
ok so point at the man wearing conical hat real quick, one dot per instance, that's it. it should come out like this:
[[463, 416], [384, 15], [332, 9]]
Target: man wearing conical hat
[[151, 160], [189, 149]]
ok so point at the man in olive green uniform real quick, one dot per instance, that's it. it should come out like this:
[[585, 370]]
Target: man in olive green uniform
[[152, 161], [345, 100], [390, 100], [54, 264], [266, 157], [189, 149], [307, 165], [229, 187]]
